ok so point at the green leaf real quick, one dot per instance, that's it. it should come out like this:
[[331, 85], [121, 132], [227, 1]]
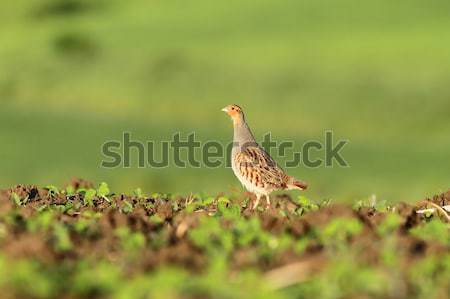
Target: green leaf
[[103, 190], [390, 224], [70, 190], [127, 207], [138, 193], [156, 219], [306, 205], [208, 200], [16, 199], [223, 200], [89, 197], [102, 279], [190, 208], [435, 230], [63, 242], [303, 201], [52, 189], [229, 211], [381, 206], [338, 230]]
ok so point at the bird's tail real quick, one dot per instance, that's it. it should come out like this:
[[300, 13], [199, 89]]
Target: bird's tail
[[294, 184]]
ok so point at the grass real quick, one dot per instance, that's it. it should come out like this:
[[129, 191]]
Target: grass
[[75, 75]]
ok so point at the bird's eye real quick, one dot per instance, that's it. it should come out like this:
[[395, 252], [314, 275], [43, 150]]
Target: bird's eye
[[232, 108]]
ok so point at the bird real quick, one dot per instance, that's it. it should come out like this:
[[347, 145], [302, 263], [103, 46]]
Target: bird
[[252, 165]]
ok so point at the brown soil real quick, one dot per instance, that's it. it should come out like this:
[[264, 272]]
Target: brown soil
[[100, 241]]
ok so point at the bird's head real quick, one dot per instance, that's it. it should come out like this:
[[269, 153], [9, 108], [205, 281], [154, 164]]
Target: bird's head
[[235, 112]]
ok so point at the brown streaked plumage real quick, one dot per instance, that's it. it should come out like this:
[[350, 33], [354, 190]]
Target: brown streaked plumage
[[252, 165]]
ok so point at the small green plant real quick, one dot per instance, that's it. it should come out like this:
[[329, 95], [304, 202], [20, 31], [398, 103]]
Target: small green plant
[[103, 191], [16, 198], [89, 196], [70, 190], [389, 225], [338, 231], [306, 205], [210, 236], [228, 210], [99, 279], [41, 222], [434, 230], [156, 219], [131, 242], [52, 190], [139, 193], [127, 207], [39, 282], [429, 274], [62, 237]]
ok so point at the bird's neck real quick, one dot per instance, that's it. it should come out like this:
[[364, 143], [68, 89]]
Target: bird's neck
[[243, 135]]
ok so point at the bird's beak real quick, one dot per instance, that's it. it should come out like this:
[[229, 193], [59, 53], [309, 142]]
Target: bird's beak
[[225, 109]]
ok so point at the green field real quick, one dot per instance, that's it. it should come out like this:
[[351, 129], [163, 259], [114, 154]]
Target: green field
[[81, 241], [77, 73]]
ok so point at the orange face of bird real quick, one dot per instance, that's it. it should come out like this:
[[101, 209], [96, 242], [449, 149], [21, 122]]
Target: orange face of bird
[[235, 112]]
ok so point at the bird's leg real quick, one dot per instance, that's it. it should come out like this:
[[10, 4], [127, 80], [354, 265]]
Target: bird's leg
[[268, 200], [258, 197]]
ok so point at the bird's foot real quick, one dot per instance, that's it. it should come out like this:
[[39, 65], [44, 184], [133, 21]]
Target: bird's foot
[[255, 205], [268, 201]]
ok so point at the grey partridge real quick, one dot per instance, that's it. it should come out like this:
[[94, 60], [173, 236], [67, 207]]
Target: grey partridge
[[252, 165]]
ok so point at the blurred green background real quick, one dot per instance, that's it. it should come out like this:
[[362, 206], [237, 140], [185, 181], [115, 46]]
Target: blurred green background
[[76, 73]]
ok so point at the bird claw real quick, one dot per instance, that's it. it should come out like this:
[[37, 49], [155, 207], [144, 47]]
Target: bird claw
[[258, 197]]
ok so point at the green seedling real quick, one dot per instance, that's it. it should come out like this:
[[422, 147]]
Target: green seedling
[[208, 201], [16, 199], [389, 225], [306, 205], [228, 211], [156, 219], [160, 195], [247, 231], [301, 245], [70, 190], [82, 225], [103, 191], [192, 206], [434, 230], [338, 231], [428, 275], [53, 190], [210, 236], [89, 214], [381, 206], [39, 281], [127, 207], [62, 237], [131, 242], [41, 222], [139, 193], [88, 198], [99, 279]]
